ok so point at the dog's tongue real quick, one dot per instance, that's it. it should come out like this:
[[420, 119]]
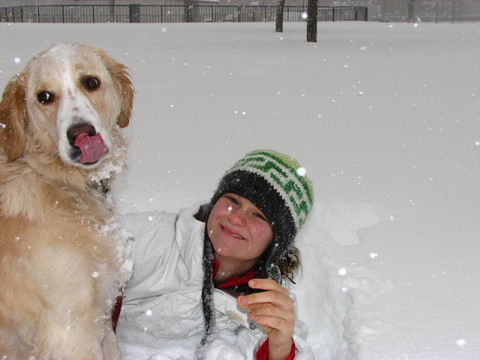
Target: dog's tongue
[[92, 147]]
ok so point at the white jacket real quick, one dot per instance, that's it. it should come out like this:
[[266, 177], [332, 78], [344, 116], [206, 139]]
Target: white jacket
[[162, 310]]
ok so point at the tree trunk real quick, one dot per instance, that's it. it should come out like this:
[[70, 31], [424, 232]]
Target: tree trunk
[[279, 18], [312, 18]]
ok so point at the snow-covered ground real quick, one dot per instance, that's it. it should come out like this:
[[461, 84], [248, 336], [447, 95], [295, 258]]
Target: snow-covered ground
[[386, 118]]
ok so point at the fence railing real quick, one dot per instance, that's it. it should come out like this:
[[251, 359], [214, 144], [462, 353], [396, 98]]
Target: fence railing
[[172, 13], [426, 11]]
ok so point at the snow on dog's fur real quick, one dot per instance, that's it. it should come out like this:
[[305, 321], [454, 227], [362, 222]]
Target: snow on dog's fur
[[62, 260]]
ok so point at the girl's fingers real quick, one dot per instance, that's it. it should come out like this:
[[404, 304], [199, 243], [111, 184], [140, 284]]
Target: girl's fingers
[[270, 311], [270, 323], [271, 297], [277, 328], [273, 308], [267, 284]]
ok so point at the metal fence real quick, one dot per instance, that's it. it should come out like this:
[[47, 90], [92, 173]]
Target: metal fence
[[172, 13], [427, 11]]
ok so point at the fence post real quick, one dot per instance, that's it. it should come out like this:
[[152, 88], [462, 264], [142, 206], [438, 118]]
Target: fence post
[[134, 13], [188, 11], [453, 11]]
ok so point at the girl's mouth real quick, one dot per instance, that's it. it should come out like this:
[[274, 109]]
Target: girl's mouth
[[231, 233]]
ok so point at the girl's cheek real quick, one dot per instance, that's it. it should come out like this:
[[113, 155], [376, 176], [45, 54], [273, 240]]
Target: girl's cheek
[[265, 232], [263, 238]]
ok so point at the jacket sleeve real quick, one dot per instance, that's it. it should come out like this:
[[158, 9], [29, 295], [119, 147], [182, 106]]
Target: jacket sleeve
[[262, 352], [153, 245]]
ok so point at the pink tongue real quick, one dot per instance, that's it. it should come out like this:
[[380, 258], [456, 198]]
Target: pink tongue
[[92, 147]]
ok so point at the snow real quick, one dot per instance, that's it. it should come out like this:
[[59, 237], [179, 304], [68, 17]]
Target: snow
[[385, 119]]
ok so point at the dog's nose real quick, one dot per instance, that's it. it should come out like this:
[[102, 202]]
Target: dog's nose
[[78, 129]]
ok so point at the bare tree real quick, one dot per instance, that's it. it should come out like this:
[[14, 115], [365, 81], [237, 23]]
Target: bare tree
[[312, 17], [279, 18]]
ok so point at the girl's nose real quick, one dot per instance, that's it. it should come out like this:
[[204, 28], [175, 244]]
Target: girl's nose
[[238, 216]]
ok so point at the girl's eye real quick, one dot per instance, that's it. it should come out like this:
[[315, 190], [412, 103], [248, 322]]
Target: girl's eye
[[261, 217], [232, 199]]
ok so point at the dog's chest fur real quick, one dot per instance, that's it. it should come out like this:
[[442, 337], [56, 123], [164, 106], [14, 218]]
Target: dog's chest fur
[[68, 223]]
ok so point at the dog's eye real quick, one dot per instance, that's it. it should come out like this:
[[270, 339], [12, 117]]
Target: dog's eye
[[44, 97], [91, 83]]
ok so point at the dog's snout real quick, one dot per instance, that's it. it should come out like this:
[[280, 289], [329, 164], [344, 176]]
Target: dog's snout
[[78, 129]]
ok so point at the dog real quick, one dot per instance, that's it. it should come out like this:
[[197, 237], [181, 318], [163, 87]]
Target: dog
[[62, 258]]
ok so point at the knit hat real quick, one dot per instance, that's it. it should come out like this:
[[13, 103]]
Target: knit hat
[[277, 185]]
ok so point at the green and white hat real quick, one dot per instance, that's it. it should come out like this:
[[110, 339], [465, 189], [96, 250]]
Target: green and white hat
[[279, 187]]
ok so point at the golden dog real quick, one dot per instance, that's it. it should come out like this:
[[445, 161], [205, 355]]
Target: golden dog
[[62, 259]]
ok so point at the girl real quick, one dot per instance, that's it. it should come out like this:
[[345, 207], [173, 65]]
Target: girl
[[213, 275]]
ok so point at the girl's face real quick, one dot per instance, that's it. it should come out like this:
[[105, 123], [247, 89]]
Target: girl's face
[[238, 230]]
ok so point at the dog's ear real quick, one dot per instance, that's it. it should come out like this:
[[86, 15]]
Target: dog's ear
[[13, 115], [124, 84]]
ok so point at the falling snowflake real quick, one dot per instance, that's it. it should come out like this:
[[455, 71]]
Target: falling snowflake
[[301, 171]]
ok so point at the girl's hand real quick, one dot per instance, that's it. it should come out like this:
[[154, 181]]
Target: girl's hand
[[274, 310]]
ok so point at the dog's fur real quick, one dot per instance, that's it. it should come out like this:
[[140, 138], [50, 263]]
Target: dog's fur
[[61, 263]]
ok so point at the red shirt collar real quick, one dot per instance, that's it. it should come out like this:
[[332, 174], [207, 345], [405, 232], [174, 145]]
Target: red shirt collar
[[234, 280]]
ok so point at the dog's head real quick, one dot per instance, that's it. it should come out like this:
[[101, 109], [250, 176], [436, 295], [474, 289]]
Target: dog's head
[[67, 102]]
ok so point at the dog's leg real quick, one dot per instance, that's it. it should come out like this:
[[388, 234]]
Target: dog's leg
[[109, 344], [79, 343]]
